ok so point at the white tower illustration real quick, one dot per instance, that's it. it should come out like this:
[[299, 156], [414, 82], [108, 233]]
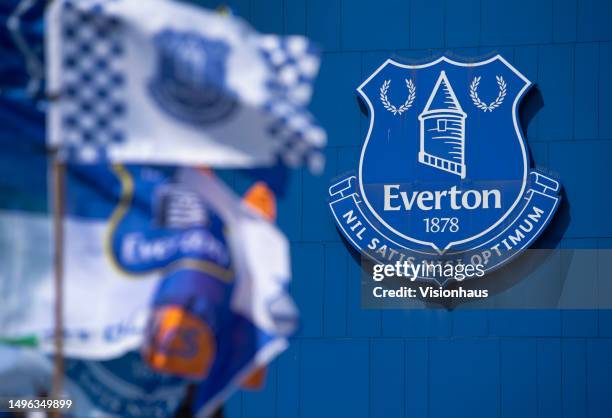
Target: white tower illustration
[[443, 130]]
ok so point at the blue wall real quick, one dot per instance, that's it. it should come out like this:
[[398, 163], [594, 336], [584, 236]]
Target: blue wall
[[348, 362]]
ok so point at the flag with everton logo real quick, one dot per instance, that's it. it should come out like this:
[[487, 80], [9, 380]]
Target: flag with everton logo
[[219, 323], [169, 278], [158, 81], [142, 237], [163, 261]]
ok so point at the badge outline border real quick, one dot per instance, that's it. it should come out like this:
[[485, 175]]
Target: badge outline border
[[517, 128]]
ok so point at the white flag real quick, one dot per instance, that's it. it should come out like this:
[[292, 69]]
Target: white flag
[[158, 81], [137, 237]]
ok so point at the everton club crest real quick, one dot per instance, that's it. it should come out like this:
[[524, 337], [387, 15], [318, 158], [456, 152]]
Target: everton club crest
[[190, 82], [444, 172]]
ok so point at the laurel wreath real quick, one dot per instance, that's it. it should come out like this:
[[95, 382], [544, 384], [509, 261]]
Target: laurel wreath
[[501, 83], [407, 104]]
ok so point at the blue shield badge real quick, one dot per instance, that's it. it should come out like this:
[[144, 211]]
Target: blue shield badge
[[190, 81], [444, 171]]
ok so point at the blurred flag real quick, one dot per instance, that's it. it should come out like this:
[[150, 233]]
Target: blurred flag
[[156, 82], [159, 81], [124, 387], [217, 328], [21, 45], [130, 229]]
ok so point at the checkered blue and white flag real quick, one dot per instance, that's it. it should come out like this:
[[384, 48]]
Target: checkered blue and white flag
[[158, 81]]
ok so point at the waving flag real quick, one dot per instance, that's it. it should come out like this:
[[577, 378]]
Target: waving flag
[[161, 251], [158, 81], [129, 230], [169, 247], [215, 326], [123, 387]]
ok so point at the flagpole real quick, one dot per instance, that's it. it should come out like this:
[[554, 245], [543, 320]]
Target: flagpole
[[58, 190]]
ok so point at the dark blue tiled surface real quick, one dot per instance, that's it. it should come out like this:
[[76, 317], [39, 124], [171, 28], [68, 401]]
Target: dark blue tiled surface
[[350, 362]]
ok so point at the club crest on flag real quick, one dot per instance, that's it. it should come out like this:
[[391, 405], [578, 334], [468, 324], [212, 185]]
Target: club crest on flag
[[190, 81], [159, 222], [181, 89], [444, 171]]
